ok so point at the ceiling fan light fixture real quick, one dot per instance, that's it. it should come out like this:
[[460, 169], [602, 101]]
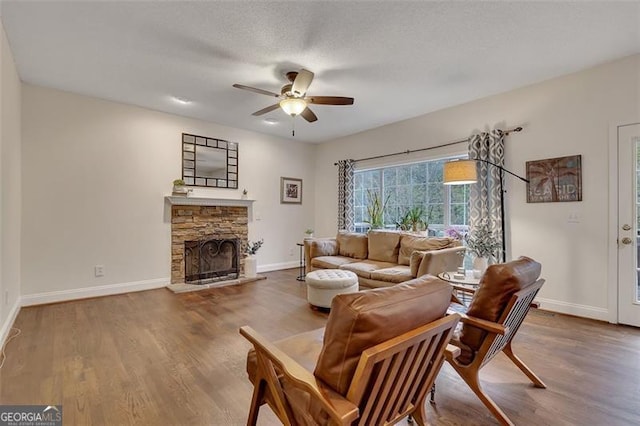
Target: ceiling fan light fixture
[[293, 106]]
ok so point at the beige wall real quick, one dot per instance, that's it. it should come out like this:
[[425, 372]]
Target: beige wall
[[10, 183], [564, 116], [95, 174]]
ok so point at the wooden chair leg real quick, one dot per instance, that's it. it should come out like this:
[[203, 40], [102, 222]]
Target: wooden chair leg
[[470, 376], [508, 351], [256, 401]]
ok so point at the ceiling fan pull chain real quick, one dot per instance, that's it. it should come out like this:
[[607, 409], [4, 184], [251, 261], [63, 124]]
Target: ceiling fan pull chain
[[293, 126]]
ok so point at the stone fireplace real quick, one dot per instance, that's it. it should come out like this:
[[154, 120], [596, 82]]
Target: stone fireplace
[[207, 236], [211, 260]]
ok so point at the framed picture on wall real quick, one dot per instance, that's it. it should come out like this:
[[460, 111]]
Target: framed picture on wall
[[290, 190], [555, 179]]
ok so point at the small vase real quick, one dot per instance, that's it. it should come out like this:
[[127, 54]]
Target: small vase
[[479, 266], [250, 266], [180, 189], [308, 235]]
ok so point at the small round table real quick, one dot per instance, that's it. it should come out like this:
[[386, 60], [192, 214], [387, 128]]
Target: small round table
[[464, 286]]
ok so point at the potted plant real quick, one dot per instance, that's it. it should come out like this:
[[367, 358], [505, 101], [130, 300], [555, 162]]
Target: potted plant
[[414, 219], [179, 187], [244, 194], [375, 209], [250, 262], [482, 243], [308, 233]]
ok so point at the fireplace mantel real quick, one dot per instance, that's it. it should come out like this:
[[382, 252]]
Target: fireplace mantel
[[201, 201]]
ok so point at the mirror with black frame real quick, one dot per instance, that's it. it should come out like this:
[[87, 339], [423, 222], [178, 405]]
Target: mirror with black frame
[[209, 162]]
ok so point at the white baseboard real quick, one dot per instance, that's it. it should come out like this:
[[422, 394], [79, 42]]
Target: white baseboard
[[8, 323], [278, 266], [86, 292], [585, 311]]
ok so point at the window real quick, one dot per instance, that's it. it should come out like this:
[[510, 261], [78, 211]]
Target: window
[[412, 185]]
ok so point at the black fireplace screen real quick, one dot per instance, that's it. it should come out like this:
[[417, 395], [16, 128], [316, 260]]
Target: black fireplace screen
[[212, 260]]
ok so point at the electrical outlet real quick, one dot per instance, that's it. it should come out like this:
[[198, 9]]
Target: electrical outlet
[[99, 270], [291, 252]]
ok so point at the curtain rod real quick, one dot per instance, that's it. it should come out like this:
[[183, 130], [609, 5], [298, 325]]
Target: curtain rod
[[411, 151]]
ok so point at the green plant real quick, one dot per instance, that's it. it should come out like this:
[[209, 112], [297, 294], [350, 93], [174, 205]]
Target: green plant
[[375, 209], [178, 182], [252, 248], [482, 242], [414, 219], [309, 231]]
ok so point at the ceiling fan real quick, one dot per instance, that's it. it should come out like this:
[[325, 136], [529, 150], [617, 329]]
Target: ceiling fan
[[293, 99]]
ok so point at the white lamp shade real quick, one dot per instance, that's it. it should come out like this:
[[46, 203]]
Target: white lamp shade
[[293, 106], [460, 172]]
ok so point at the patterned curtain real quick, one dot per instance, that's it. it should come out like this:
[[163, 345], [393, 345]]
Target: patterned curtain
[[484, 198], [346, 218]]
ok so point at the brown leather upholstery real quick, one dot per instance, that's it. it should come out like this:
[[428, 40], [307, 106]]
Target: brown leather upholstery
[[361, 320], [351, 244], [395, 274], [497, 286], [364, 268], [329, 262], [384, 246], [411, 243], [323, 247]]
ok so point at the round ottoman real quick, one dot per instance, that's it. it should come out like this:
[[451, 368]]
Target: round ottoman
[[323, 284]]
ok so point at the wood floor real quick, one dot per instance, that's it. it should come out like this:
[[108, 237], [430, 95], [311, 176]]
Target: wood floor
[[155, 357]]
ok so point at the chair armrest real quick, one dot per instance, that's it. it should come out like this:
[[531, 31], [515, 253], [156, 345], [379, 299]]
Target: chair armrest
[[436, 261], [315, 247], [490, 326], [451, 351], [462, 288], [338, 407]]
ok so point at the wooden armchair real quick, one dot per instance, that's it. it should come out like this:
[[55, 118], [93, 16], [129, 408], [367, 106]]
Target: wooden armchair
[[493, 318], [374, 363]]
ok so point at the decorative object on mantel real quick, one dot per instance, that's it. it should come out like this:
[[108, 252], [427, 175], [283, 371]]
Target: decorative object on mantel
[[308, 233], [179, 187], [555, 179], [244, 194], [209, 162], [250, 261], [290, 190]]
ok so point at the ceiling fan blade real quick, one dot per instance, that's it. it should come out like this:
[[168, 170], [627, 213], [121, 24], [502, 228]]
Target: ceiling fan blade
[[256, 90], [267, 109], [302, 82], [329, 100], [308, 115]]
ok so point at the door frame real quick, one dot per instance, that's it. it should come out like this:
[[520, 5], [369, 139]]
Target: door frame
[[612, 263]]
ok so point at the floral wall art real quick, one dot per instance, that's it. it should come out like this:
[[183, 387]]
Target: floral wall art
[[555, 179]]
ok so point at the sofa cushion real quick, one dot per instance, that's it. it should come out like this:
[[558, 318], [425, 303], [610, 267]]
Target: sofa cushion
[[351, 244], [363, 268], [497, 285], [330, 262], [384, 246], [396, 274], [362, 320], [323, 247], [411, 243]]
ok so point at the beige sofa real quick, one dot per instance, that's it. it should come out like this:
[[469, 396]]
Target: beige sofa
[[383, 258]]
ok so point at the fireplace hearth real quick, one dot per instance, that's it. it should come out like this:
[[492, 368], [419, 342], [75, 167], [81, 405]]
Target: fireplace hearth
[[211, 260]]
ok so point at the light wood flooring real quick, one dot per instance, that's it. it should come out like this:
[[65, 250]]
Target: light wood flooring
[[158, 358]]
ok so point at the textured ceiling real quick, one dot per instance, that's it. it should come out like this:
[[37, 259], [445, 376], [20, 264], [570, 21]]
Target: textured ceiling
[[397, 59]]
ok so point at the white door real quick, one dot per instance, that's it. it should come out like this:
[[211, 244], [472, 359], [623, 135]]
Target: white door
[[628, 224]]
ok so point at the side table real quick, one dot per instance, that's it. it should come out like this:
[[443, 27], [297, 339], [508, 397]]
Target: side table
[[464, 287], [301, 267]]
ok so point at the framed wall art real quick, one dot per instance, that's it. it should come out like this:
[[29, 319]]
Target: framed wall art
[[290, 190], [555, 179]]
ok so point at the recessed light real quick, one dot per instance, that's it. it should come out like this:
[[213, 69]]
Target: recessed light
[[181, 101], [271, 121]]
